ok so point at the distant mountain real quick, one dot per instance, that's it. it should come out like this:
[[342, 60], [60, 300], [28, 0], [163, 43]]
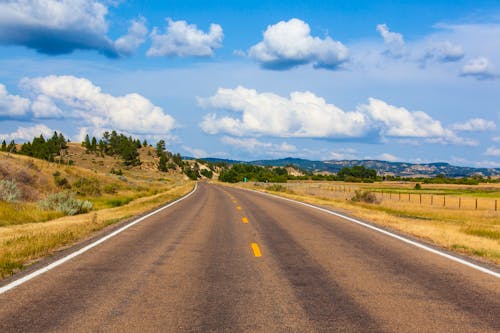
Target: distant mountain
[[383, 167]]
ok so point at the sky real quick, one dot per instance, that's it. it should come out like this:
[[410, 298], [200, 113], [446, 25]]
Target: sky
[[409, 81]]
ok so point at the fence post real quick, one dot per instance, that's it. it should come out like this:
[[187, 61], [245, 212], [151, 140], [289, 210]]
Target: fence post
[[495, 205], [409, 197], [420, 198], [476, 203], [459, 203], [444, 200], [399, 196], [432, 199]]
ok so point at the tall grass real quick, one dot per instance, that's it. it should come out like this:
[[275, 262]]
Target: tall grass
[[20, 213], [23, 244]]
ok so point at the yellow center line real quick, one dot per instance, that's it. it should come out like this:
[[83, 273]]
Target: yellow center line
[[244, 220], [238, 207], [256, 250]]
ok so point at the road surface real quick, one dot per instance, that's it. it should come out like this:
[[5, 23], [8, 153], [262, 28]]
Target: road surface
[[230, 260]]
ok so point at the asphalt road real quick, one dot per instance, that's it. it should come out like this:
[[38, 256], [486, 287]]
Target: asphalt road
[[195, 267]]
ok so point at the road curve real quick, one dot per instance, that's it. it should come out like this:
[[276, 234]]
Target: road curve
[[230, 260]]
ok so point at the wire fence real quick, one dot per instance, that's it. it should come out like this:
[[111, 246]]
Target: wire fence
[[442, 200]]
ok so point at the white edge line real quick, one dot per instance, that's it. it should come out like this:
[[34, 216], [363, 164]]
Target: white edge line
[[390, 234], [72, 255]]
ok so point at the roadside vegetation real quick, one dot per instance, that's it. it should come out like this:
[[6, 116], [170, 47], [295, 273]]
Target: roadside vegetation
[[54, 192], [397, 205]]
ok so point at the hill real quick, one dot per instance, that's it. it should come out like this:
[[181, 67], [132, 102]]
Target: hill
[[383, 168]]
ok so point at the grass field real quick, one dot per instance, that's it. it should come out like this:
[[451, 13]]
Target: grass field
[[23, 244], [475, 232], [28, 232]]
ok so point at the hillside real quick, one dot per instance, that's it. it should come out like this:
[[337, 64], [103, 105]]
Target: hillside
[[400, 169]]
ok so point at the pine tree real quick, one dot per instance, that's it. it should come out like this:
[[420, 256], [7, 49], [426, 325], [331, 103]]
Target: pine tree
[[4, 145], [160, 148], [86, 143], [93, 145]]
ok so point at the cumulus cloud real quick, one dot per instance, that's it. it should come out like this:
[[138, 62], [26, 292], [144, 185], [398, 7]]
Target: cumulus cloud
[[393, 40], [305, 115], [302, 115], [492, 151], [183, 39], [81, 99], [27, 133], [287, 44], [343, 154], [56, 27], [135, 37], [388, 157], [444, 52], [253, 145], [195, 152], [400, 122], [12, 105], [475, 125], [480, 68]]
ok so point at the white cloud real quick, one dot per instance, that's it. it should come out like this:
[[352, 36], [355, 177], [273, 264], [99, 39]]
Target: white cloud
[[55, 27], [444, 51], [388, 157], [183, 39], [195, 152], [393, 40], [479, 68], [475, 125], [496, 138], [254, 145], [81, 99], [492, 151], [343, 154], [305, 115], [287, 44], [12, 105], [135, 37], [400, 122], [44, 107], [27, 133], [302, 115]]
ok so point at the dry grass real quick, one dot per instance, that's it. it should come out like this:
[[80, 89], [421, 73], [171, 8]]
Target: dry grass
[[469, 231], [28, 233], [23, 244]]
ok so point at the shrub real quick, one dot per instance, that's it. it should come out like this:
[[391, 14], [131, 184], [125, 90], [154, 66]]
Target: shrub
[[418, 186], [65, 202], [85, 186], [276, 188], [23, 177], [365, 196], [8, 190], [110, 188]]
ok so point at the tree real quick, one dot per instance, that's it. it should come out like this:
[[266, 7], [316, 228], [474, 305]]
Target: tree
[[160, 148], [162, 165], [86, 143], [4, 145]]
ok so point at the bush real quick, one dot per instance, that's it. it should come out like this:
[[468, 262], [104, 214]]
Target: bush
[[8, 190], [65, 202], [85, 186], [365, 196], [276, 188], [110, 188], [418, 186]]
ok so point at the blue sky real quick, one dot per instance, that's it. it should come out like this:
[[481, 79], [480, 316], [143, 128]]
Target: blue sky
[[415, 81]]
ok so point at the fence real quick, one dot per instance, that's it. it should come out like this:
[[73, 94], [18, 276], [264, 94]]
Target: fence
[[449, 201]]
